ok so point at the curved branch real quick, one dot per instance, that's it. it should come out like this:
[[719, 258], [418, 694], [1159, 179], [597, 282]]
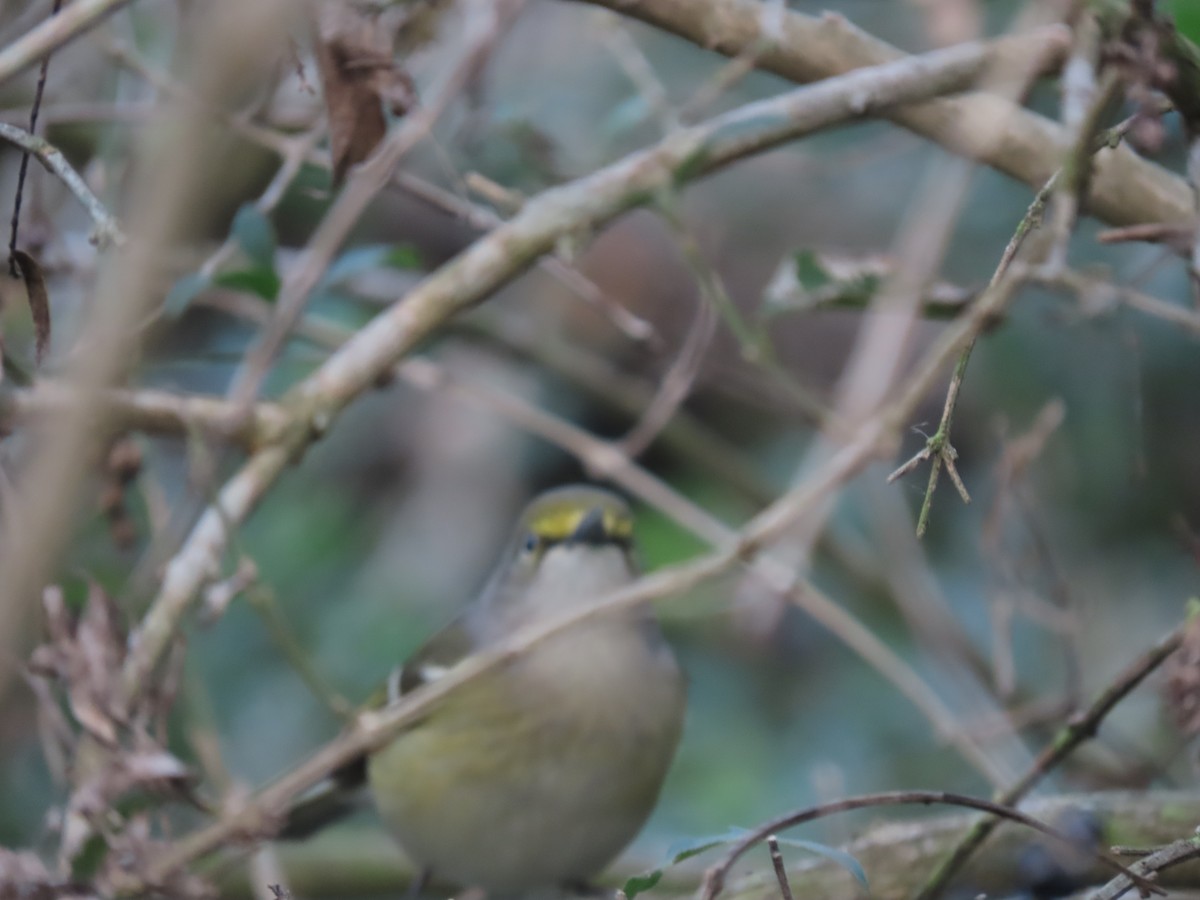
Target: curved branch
[[1080, 728], [53, 33], [152, 411], [1126, 189], [107, 230], [714, 877]]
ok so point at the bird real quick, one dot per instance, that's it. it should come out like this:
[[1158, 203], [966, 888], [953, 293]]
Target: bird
[[540, 771]]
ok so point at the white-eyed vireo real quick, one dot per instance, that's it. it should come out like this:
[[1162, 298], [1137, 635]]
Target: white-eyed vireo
[[539, 772]]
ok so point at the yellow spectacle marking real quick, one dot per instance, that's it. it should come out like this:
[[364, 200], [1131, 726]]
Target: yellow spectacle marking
[[560, 524]]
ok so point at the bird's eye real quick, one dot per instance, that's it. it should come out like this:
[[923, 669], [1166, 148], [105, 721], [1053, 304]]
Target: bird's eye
[[531, 542]]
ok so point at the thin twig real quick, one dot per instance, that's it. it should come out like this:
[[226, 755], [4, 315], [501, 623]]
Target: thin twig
[[486, 24], [1171, 855], [149, 410], [605, 461], [781, 876], [24, 168], [106, 229], [676, 383], [263, 600], [1083, 100], [53, 33], [714, 876], [753, 343], [638, 70], [921, 243], [477, 217], [938, 450], [741, 65], [1080, 729]]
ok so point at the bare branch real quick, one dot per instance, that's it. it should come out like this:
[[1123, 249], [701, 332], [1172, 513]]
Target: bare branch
[[1081, 728], [1126, 189], [53, 33], [106, 228], [156, 412], [714, 877]]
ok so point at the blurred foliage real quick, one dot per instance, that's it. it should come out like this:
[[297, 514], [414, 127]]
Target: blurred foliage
[[387, 526]]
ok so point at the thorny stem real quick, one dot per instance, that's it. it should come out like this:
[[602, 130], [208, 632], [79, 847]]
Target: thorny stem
[[1081, 727], [938, 450]]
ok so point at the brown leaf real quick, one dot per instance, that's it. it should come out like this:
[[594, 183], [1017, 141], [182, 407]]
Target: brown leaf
[[58, 620], [93, 665], [124, 460], [39, 299], [122, 466], [100, 638], [1183, 679], [95, 720], [359, 75]]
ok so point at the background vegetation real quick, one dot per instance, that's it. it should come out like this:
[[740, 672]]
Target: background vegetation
[[747, 354]]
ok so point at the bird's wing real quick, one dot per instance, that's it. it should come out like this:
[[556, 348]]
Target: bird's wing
[[336, 796], [433, 659]]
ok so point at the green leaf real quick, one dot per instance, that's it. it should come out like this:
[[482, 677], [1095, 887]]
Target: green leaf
[[686, 848], [39, 298], [1186, 14], [372, 256], [640, 883], [263, 282], [182, 293], [90, 857], [255, 235], [810, 274], [677, 852], [405, 256], [833, 854]]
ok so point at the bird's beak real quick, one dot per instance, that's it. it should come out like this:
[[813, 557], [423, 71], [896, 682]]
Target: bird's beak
[[591, 529]]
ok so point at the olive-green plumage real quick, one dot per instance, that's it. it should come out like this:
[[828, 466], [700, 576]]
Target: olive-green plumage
[[539, 772]]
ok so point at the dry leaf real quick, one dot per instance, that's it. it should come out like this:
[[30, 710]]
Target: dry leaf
[[133, 850], [1183, 679], [122, 467], [39, 299], [359, 75], [58, 620], [107, 752]]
